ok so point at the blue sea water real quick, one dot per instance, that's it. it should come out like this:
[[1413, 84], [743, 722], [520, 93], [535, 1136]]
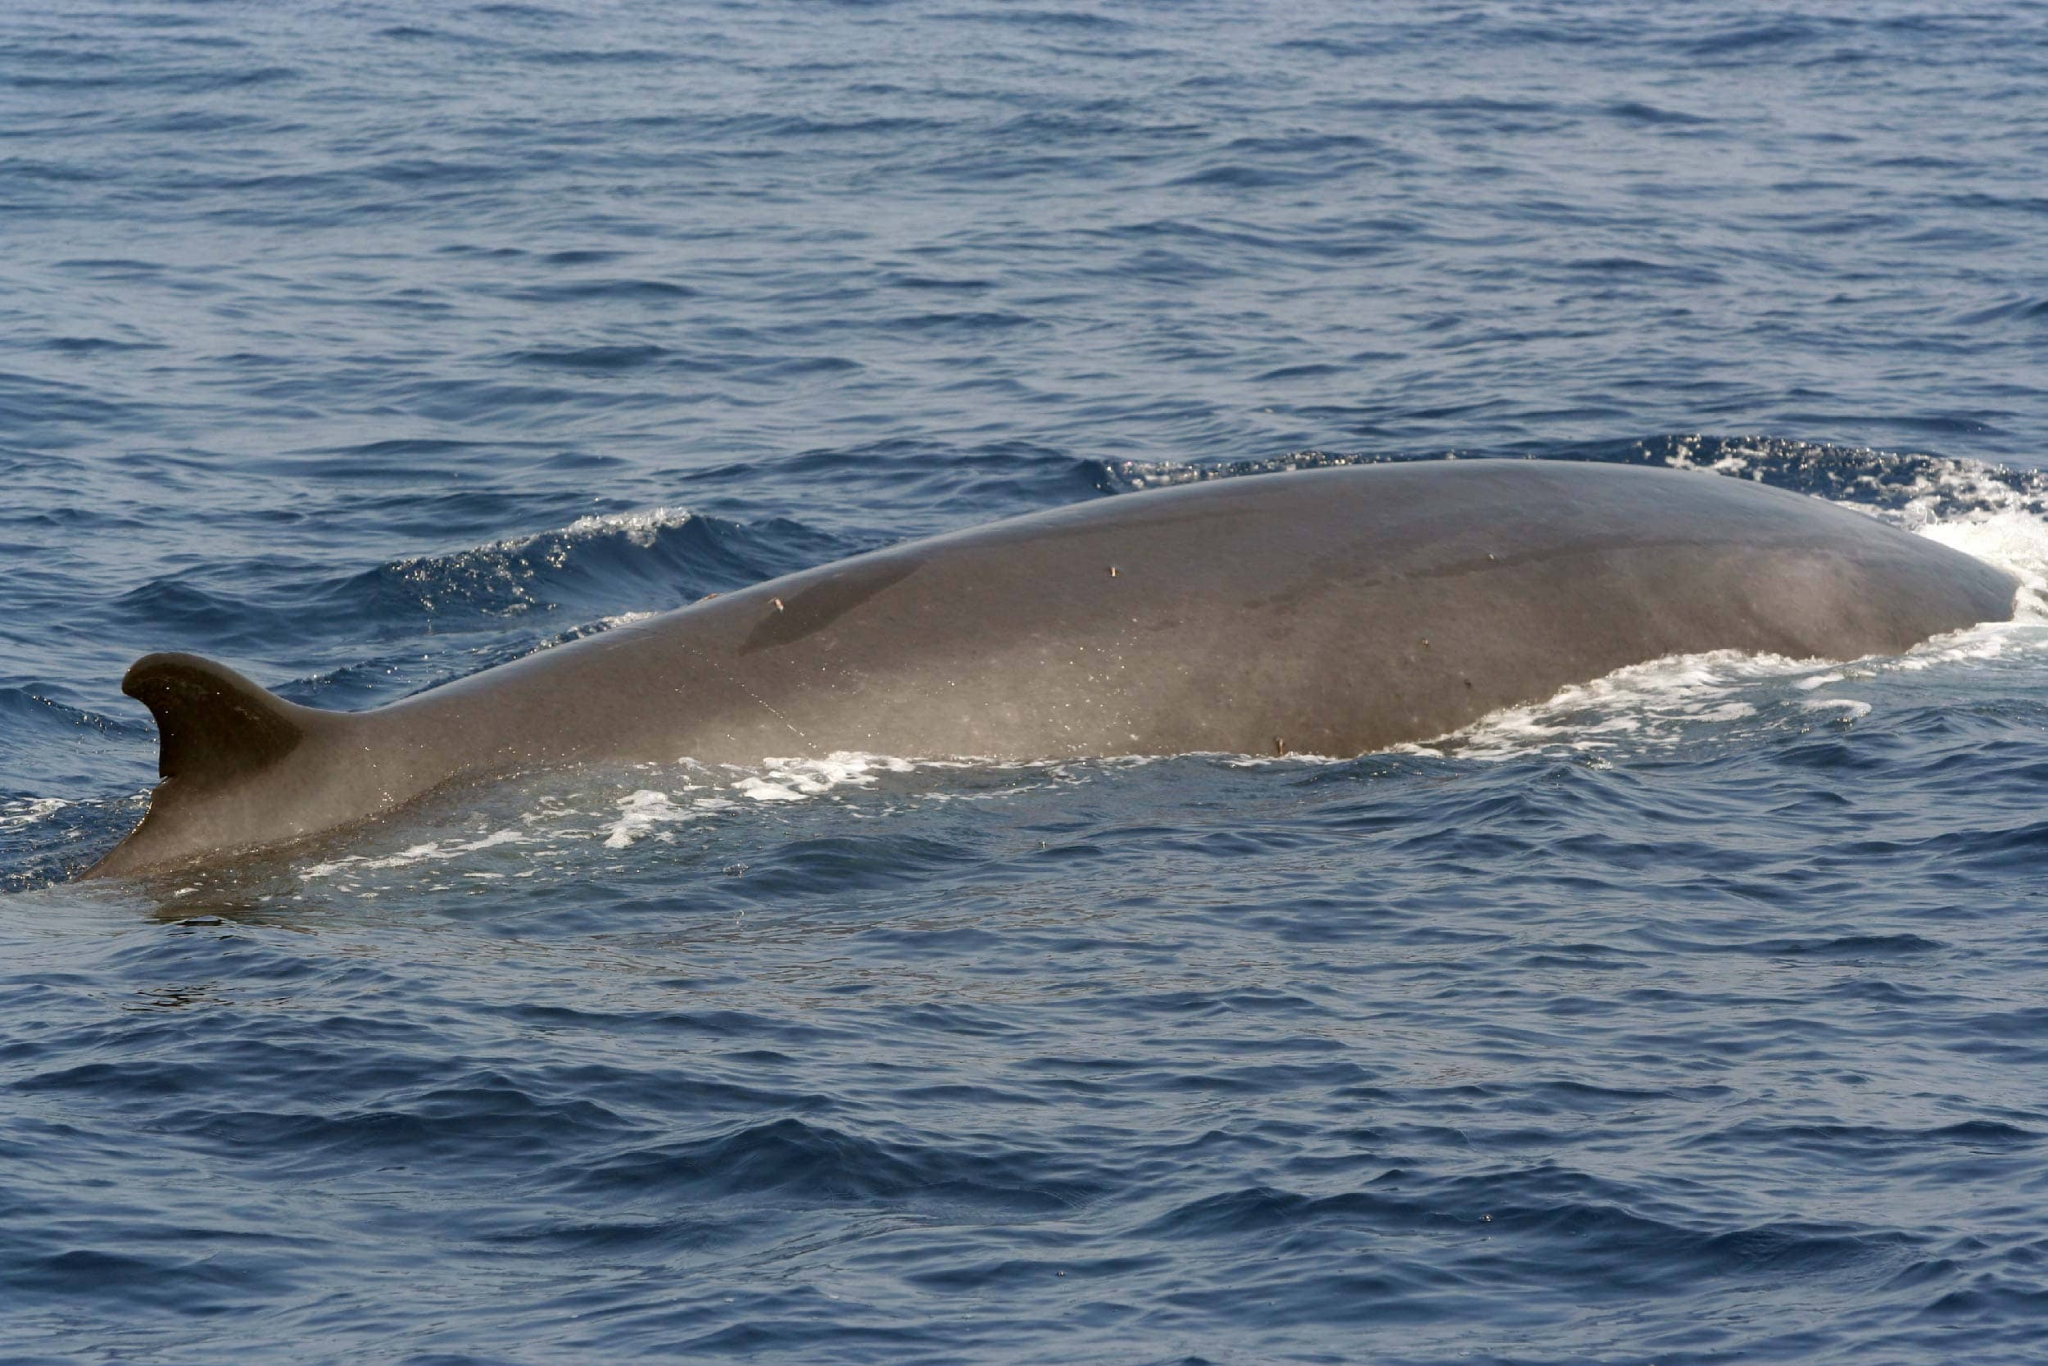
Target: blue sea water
[[1696, 1015]]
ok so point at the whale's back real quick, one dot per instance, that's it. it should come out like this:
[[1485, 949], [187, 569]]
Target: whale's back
[[1329, 611]]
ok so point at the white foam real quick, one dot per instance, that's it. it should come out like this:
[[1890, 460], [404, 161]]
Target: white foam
[[1735, 461], [2013, 539], [436, 851], [1661, 701], [642, 814], [1909, 490], [794, 780], [26, 811], [1969, 483], [1262, 760], [1988, 641], [1644, 704], [648, 811], [1132, 475]]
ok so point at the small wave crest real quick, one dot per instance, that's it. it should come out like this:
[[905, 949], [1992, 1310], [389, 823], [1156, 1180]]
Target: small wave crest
[[666, 556]]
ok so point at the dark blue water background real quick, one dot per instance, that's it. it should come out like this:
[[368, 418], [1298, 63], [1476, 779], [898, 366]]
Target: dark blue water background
[[1698, 1015]]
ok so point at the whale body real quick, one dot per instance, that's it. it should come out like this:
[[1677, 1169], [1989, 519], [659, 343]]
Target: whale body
[[1331, 611]]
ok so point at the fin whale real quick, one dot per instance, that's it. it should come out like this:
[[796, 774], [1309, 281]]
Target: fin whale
[[1330, 611]]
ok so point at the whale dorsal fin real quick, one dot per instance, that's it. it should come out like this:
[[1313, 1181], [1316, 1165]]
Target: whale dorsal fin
[[215, 724]]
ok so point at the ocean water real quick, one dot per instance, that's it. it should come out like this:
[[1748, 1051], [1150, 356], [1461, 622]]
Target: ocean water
[[1699, 1014]]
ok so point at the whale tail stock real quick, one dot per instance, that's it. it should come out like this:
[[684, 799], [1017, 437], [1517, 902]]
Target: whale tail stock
[[216, 729]]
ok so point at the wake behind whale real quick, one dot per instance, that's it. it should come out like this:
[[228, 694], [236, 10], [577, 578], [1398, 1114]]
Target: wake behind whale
[[1331, 611]]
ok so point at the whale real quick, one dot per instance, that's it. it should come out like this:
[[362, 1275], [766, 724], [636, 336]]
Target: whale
[[1326, 611]]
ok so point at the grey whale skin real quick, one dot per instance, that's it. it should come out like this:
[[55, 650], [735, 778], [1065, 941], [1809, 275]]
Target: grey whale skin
[[1330, 611]]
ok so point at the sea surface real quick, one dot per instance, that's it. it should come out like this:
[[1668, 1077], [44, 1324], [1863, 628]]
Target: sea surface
[[1699, 1014]]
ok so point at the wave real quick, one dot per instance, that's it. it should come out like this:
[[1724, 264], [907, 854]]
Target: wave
[[594, 561], [789, 1158]]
